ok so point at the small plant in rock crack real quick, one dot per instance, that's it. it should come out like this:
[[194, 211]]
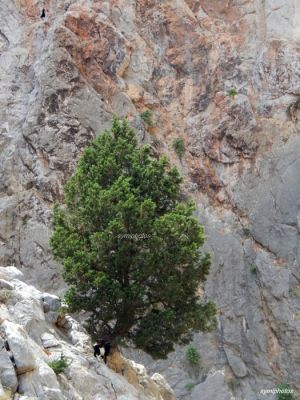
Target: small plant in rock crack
[[59, 365], [292, 292], [253, 270], [190, 386], [233, 383], [193, 356], [25, 220], [232, 92], [147, 117], [63, 311], [247, 232], [179, 148], [284, 392], [5, 295]]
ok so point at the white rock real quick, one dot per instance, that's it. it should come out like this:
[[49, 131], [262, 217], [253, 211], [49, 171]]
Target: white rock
[[27, 312], [5, 285], [49, 340], [29, 335], [214, 387], [164, 387], [52, 301], [10, 273], [51, 316], [41, 382], [20, 347]]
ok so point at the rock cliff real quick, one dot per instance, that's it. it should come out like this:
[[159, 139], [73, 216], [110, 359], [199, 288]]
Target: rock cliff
[[224, 76]]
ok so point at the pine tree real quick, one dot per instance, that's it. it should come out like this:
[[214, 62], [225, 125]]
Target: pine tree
[[130, 246]]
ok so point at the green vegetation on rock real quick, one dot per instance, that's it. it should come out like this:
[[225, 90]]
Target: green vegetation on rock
[[130, 247], [284, 392], [193, 356], [253, 270], [59, 365], [147, 117], [190, 386], [179, 148], [232, 92]]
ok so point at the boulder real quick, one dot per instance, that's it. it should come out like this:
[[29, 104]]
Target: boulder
[[164, 388], [53, 302], [8, 377], [5, 285], [236, 363], [41, 382], [214, 387], [51, 316], [20, 346], [49, 340]]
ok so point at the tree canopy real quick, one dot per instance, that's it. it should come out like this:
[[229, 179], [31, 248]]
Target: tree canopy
[[130, 247]]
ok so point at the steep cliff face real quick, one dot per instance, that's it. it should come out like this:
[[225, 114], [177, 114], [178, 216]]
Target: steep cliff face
[[224, 75]]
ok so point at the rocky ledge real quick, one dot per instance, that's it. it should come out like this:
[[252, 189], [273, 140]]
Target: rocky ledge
[[33, 333]]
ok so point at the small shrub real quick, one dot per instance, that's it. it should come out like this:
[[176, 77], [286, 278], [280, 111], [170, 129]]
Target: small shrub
[[62, 311], [5, 295], [190, 386], [247, 232], [25, 220], [193, 356], [232, 383], [287, 392], [147, 117], [253, 270], [60, 365], [179, 148], [232, 92], [292, 292]]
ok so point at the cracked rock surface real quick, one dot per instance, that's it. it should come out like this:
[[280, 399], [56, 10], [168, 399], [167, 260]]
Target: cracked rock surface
[[30, 340], [224, 76]]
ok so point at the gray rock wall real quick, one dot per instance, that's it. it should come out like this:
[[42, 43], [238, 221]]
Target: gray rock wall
[[225, 77]]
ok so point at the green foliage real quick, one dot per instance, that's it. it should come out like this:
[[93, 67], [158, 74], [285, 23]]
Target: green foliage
[[285, 396], [147, 117], [5, 295], [63, 310], [60, 365], [253, 270], [190, 386], [233, 383], [292, 292], [247, 232], [179, 148], [25, 220], [193, 356], [130, 247], [232, 92]]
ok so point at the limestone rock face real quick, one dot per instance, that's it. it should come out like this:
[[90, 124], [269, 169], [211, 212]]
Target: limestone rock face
[[224, 75], [7, 372], [213, 388], [26, 355]]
